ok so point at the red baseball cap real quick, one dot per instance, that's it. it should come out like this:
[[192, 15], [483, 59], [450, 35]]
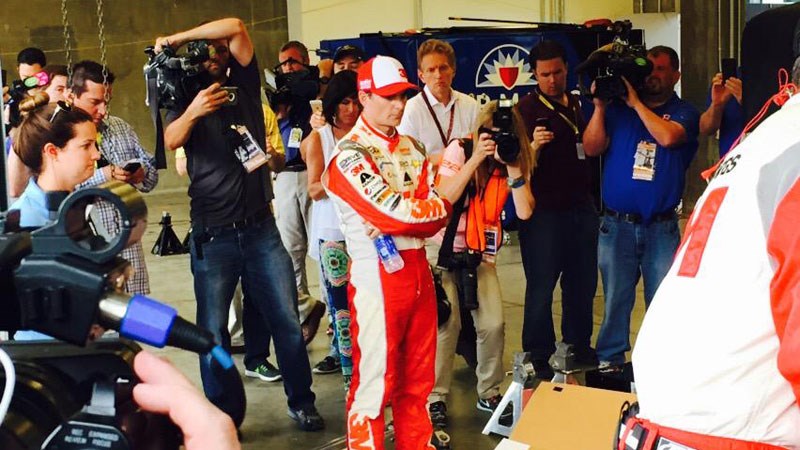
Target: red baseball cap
[[384, 76]]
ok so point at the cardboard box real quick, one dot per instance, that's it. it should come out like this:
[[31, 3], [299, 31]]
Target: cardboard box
[[570, 417]]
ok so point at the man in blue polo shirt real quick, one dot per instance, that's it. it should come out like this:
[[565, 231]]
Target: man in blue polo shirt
[[648, 143]]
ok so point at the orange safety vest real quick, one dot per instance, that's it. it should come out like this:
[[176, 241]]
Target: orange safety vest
[[484, 211]]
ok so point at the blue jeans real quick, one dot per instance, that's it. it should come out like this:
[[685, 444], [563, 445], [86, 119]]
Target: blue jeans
[[559, 244], [256, 254], [625, 252]]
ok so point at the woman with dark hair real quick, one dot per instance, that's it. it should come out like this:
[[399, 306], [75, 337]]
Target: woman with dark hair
[[58, 145], [341, 109]]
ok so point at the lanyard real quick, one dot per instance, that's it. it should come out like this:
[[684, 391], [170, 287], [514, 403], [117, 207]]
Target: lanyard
[[445, 138], [571, 124]]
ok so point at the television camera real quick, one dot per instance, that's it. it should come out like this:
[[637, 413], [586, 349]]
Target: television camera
[[63, 280]]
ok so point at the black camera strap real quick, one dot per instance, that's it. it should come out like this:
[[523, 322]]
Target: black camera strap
[[446, 250], [445, 137], [155, 115]]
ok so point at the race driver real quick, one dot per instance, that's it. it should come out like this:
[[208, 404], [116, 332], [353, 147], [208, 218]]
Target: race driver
[[717, 360], [381, 183]]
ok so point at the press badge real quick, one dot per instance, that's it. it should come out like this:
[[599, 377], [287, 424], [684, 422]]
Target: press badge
[[644, 161], [247, 150], [492, 235], [581, 152], [295, 137]]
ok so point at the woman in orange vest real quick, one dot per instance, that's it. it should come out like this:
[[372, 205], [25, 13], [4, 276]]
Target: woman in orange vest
[[479, 175]]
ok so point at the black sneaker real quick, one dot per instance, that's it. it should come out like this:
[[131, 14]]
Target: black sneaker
[[307, 418], [609, 368], [438, 411], [491, 403], [329, 364], [264, 371]]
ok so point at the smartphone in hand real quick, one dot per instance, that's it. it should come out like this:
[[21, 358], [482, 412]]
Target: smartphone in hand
[[316, 106], [132, 166], [542, 122], [728, 66]]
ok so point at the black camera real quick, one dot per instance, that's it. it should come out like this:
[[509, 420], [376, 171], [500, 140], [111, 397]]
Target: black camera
[[295, 89], [607, 65], [175, 78], [16, 94], [505, 137], [464, 266]]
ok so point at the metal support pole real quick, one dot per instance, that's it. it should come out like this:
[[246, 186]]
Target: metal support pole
[[4, 199]]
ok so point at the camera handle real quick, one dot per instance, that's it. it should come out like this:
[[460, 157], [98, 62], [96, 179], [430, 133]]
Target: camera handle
[[155, 116]]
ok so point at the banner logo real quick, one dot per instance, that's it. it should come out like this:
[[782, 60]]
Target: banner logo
[[505, 66]]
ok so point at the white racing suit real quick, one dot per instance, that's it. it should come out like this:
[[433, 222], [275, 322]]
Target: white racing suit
[[717, 359], [388, 183]]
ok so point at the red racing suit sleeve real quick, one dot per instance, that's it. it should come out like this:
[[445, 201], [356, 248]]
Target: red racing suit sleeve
[[783, 244], [355, 179]]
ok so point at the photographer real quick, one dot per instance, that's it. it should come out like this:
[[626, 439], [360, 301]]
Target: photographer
[[560, 238], [639, 233], [30, 61], [474, 174], [17, 174], [293, 204], [233, 231]]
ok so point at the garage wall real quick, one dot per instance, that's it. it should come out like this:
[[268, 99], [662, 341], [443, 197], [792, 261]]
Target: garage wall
[[313, 20]]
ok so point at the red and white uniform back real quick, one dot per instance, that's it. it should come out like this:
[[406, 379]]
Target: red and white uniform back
[[719, 350], [388, 183]]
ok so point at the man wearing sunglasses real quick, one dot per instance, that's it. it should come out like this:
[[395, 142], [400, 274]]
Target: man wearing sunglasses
[[234, 236], [122, 156]]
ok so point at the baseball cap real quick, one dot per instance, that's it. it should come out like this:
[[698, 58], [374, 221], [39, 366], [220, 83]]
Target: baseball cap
[[384, 76], [348, 50]]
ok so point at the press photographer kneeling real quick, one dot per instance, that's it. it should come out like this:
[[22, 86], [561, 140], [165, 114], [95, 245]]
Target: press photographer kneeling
[[477, 177]]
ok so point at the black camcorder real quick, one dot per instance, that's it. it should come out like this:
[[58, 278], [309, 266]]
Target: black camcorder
[[294, 89], [61, 280], [176, 78], [607, 65]]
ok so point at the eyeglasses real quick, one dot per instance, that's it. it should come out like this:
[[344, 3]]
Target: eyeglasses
[[37, 80], [60, 106]]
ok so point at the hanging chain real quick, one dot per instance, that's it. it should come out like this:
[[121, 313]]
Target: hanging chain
[[66, 41], [102, 37]]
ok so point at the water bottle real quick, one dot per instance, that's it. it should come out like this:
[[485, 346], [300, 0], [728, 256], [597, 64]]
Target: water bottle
[[387, 251]]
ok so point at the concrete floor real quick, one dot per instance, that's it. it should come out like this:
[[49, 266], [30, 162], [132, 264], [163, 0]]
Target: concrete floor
[[266, 424]]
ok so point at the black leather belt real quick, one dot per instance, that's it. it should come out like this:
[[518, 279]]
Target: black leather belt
[[295, 168], [255, 219], [637, 218]]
